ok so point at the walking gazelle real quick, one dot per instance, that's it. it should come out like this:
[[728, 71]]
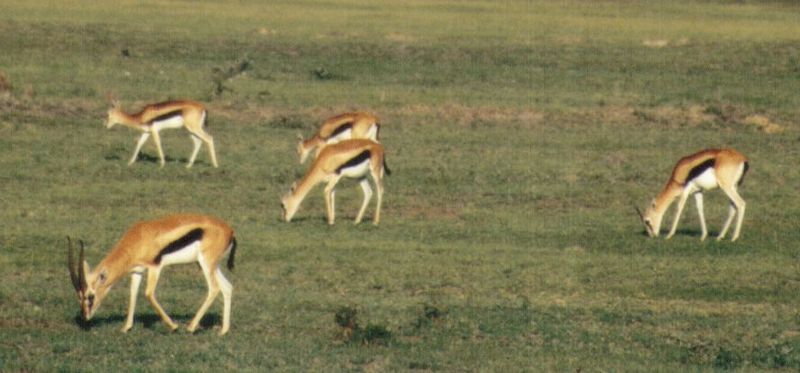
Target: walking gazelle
[[692, 175], [165, 115], [149, 246]]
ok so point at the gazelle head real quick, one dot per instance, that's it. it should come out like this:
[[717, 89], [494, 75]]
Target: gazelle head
[[289, 204], [651, 219], [91, 286], [302, 150], [114, 114]]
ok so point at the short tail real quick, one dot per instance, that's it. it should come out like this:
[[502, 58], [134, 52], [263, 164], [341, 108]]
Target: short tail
[[744, 172], [232, 254], [386, 168]]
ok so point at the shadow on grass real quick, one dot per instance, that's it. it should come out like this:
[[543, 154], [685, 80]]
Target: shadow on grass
[[149, 321]]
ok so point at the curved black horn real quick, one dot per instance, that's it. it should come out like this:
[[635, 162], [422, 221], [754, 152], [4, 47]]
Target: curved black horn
[[73, 274], [641, 216], [81, 268]]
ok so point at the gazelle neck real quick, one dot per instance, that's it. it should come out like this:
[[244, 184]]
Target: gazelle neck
[[131, 121], [668, 194]]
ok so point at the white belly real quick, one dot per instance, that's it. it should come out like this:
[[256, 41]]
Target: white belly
[[187, 254], [356, 172], [171, 123], [707, 180]]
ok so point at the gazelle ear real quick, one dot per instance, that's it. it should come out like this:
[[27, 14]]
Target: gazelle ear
[[293, 187], [653, 203]]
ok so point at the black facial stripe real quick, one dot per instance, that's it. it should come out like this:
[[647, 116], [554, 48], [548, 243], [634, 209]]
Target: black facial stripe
[[167, 116], [355, 161], [344, 127], [188, 238], [699, 169]]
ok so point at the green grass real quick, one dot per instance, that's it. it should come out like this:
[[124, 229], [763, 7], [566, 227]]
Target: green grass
[[518, 133]]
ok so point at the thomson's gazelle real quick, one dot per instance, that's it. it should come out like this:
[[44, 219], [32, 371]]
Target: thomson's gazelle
[[171, 114], [356, 159], [149, 246], [357, 125], [693, 174]]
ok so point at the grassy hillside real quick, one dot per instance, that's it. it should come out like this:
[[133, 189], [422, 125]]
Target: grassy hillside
[[519, 135]]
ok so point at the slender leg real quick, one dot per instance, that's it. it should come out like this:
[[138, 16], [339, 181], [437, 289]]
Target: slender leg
[[136, 279], [210, 142], [213, 290], [142, 140], [379, 187], [698, 198], [739, 205], [364, 183], [678, 212], [227, 292], [197, 143], [328, 192], [150, 293], [157, 140], [728, 220]]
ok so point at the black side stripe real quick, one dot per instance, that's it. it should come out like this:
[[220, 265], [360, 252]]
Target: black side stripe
[[167, 116], [187, 239], [344, 127], [355, 161], [699, 169]]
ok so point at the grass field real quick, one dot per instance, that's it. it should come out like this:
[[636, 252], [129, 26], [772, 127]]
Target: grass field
[[519, 134]]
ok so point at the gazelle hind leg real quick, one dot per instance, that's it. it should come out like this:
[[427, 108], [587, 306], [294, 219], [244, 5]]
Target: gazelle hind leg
[[698, 198], [142, 140], [136, 280], [227, 293], [728, 221], [213, 290], [150, 293], [739, 205], [364, 183], [678, 212], [197, 143], [379, 190]]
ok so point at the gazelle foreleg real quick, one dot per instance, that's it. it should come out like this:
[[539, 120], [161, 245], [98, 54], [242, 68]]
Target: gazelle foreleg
[[364, 183], [157, 140], [678, 212], [698, 198], [136, 279], [142, 140], [328, 193], [150, 293], [213, 290]]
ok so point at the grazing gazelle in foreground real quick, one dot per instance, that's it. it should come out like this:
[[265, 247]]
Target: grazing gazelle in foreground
[[355, 159], [171, 114], [149, 246], [357, 125], [704, 170]]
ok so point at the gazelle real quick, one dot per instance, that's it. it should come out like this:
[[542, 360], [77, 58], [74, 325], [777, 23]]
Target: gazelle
[[165, 115], [356, 125], [150, 246], [355, 159], [692, 175]]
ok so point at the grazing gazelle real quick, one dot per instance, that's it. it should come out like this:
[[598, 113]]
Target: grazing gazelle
[[357, 125], [149, 246], [693, 174], [171, 114], [355, 159]]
